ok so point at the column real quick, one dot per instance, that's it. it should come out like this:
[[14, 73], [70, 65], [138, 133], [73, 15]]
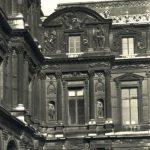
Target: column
[[140, 101], [5, 101], [43, 98], [20, 75], [14, 79], [65, 111], [59, 96], [9, 82], [35, 104], [1, 82], [148, 93], [26, 82], [108, 94], [148, 40], [91, 95]]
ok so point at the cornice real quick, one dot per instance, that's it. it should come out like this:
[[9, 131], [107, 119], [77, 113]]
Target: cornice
[[81, 59], [34, 50]]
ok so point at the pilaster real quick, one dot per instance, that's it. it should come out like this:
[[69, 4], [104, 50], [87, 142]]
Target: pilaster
[[26, 81], [91, 74], [59, 96], [108, 94]]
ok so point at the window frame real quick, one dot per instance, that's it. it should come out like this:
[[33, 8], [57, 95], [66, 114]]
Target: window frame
[[129, 80], [138, 104], [74, 43], [75, 98], [128, 46]]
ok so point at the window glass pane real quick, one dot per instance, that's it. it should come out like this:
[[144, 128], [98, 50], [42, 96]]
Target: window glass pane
[[74, 44], [133, 93], [80, 93], [76, 105], [129, 106], [127, 46], [125, 93], [71, 93], [125, 112], [134, 111], [81, 111], [131, 45], [72, 112]]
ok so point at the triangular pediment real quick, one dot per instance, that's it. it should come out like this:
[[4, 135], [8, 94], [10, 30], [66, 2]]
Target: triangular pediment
[[129, 77], [74, 16]]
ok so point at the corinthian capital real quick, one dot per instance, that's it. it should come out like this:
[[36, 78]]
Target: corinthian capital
[[58, 74]]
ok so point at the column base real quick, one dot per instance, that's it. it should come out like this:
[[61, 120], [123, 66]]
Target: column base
[[19, 112], [109, 125], [59, 131], [92, 128]]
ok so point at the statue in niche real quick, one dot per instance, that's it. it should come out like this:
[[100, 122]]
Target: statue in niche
[[99, 37], [51, 110], [100, 109], [51, 88], [99, 86]]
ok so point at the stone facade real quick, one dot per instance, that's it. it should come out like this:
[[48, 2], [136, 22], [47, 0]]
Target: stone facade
[[20, 64], [85, 50], [79, 81]]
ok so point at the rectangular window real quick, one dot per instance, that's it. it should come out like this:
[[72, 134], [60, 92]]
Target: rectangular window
[[74, 44], [128, 46], [76, 106], [129, 106]]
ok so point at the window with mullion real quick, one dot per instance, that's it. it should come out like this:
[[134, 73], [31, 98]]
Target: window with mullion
[[74, 44], [129, 106], [128, 46], [76, 106]]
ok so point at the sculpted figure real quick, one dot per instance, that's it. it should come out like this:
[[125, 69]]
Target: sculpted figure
[[100, 109], [100, 37], [51, 110]]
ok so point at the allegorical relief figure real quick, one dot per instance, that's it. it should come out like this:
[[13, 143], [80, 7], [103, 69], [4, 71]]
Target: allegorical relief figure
[[100, 109], [99, 37], [50, 40], [51, 88], [99, 86], [51, 110]]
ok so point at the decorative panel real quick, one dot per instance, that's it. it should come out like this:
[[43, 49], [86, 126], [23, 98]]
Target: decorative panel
[[51, 87], [99, 83]]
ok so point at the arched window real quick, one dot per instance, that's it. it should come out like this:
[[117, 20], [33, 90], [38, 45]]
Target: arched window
[[11, 146]]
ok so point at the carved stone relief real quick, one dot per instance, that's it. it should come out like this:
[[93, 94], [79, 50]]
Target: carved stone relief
[[99, 37], [140, 45], [73, 20], [130, 67], [51, 97], [100, 86], [99, 82], [50, 41]]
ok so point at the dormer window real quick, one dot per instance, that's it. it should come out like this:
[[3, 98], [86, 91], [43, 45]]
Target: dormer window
[[127, 46], [74, 44]]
